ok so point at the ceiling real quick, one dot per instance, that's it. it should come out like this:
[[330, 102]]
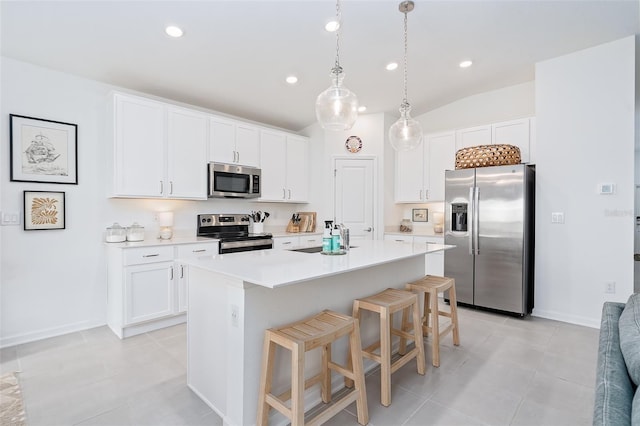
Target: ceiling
[[235, 55]]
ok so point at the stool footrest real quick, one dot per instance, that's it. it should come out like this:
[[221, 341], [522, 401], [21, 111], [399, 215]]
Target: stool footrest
[[337, 406], [400, 362], [274, 402], [341, 370]]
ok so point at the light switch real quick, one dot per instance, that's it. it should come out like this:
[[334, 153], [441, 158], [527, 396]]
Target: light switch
[[606, 188], [557, 217], [10, 218]]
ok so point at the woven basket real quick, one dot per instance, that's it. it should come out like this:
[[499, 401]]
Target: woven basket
[[487, 155]]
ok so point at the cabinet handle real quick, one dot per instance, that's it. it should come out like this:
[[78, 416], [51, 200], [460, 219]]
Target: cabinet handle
[[151, 255], [171, 274], [420, 198], [426, 194], [289, 194], [286, 242], [199, 251], [170, 187], [181, 271], [161, 187], [238, 156], [284, 193]]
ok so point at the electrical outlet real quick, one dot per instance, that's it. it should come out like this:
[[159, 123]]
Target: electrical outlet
[[235, 316], [10, 218], [610, 287], [557, 217]]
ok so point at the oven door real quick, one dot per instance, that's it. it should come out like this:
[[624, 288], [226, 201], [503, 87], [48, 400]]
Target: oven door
[[232, 181], [245, 245]]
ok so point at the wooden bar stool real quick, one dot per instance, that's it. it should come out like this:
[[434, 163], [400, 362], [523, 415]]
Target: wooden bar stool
[[385, 304], [318, 331], [431, 285]]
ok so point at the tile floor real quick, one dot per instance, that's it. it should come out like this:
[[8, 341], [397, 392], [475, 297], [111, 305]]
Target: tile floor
[[507, 371]]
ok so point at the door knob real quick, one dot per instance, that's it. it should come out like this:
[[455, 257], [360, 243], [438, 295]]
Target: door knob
[[369, 229]]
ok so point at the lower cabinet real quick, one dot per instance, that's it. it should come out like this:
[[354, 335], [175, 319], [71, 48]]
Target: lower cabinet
[[147, 286], [434, 262]]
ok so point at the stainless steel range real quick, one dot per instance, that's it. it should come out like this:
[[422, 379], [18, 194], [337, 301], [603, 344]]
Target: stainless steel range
[[233, 232]]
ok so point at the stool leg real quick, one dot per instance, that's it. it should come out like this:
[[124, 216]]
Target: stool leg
[[325, 385], [358, 371], [435, 331], [297, 385], [402, 349], [426, 314], [417, 333], [385, 357], [356, 314], [268, 354], [454, 314]]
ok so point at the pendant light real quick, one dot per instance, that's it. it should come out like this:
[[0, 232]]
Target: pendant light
[[337, 107], [406, 133]]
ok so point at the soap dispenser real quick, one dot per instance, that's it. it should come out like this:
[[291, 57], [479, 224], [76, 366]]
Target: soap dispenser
[[335, 240], [326, 237]]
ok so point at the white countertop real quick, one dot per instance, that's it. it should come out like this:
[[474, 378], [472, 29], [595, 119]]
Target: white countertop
[[275, 268]]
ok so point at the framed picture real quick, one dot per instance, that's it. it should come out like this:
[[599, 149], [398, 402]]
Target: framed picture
[[43, 210], [43, 150], [420, 215]]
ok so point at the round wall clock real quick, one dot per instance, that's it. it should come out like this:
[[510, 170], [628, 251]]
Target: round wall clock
[[353, 144]]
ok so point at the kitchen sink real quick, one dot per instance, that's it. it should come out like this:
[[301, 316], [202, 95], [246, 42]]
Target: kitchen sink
[[313, 249]]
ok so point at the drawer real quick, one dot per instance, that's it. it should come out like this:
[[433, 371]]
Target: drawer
[[399, 238], [310, 240], [142, 255], [285, 242], [430, 240], [195, 250]]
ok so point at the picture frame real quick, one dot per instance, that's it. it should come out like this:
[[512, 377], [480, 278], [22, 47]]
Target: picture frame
[[44, 210], [420, 215], [43, 151]]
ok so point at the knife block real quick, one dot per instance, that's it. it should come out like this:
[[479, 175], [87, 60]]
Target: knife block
[[293, 227]]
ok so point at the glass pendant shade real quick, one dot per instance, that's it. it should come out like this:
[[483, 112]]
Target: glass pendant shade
[[406, 133], [337, 107]]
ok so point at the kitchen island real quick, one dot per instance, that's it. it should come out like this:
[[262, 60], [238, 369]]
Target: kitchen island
[[233, 298]]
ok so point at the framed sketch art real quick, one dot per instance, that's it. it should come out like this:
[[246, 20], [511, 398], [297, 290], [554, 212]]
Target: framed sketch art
[[43, 210], [43, 150], [420, 215]]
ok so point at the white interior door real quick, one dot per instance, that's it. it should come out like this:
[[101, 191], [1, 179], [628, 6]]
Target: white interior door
[[354, 196]]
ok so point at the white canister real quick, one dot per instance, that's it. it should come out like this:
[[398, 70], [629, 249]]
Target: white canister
[[115, 234], [135, 232]]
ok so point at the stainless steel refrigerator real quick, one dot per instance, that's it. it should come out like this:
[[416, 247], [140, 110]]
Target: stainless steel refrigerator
[[489, 217]]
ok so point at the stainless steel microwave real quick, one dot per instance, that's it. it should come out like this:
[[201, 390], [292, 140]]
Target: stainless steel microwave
[[233, 181]]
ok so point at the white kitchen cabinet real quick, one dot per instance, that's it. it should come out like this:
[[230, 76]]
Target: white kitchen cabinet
[[234, 142], [515, 132], [398, 238], [284, 162], [420, 172], [159, 150], [434, 262], [285, 243], [147, 287], [149, 292]]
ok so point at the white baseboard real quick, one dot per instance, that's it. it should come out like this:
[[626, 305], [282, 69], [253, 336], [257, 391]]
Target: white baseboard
[[18, 339], [572, 319]]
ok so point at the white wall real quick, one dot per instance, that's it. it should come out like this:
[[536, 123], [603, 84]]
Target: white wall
[[52, 282], [585, 122]]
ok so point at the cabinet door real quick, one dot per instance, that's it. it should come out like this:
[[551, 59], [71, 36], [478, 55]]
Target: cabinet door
[[222, 141], [473, 136], [441, 157], [410, 176], [247, 145], [273, 160], [434, 262], [149, 292], [516, 132], [187, 153], [139, 147], [297, 169]]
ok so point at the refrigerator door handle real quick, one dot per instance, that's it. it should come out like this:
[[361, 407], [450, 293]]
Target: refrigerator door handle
[[476, 219], [470, 222]]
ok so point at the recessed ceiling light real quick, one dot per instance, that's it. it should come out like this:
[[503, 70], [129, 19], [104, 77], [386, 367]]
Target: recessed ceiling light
[[332, 26], [466, 64], [292, 79], [362, 108], [391, 66], [173, 31]]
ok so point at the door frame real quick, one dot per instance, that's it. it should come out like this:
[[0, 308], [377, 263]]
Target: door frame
[[378, 227]]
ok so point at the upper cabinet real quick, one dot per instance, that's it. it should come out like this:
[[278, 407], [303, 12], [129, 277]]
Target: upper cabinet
[[515, 132], [285, 170], [234, 142], [420, 172], [159, 150]]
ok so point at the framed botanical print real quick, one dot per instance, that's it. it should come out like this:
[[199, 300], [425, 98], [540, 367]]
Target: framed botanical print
[[44, 210], [43, 150]]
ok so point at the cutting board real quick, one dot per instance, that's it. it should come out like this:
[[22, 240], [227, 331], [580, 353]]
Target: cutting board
[[307, 221]]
